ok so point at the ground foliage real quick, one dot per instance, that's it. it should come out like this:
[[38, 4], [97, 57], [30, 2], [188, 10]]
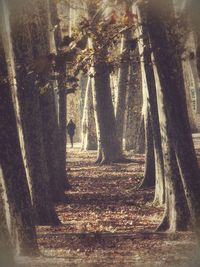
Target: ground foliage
[[107, 221]]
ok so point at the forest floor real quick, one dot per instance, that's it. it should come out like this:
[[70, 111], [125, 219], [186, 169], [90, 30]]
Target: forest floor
[[107, 221]]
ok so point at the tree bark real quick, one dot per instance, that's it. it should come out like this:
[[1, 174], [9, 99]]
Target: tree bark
[[23, 33], [11, 162], [149, 171], [89, 139], [122, 86], [140, 141], [6, 251], [48, 104], [134, 103], [195, 20], [108, 141], [176, 215], [167, 58], [61, 67], [109, 147], [153, 107], [191, 105]]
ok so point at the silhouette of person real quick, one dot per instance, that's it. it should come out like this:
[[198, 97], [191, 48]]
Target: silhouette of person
[[71, 126]]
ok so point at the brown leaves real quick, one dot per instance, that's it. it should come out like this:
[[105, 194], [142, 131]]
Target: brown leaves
[[99, 226], [129, 17]]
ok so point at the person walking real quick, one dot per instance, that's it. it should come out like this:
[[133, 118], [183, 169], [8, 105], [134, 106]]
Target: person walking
[[71, 126]]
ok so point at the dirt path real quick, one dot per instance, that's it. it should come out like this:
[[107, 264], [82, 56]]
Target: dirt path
[[107, 221]]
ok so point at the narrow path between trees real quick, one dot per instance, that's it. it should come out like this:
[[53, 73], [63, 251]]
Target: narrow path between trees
[[107, 221]]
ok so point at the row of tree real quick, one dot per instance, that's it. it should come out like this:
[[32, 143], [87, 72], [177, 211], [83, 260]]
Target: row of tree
[[34, 75], [32, 123], [171, 165]]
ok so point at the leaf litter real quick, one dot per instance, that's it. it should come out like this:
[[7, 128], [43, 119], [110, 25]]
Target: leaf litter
[[107, 221]]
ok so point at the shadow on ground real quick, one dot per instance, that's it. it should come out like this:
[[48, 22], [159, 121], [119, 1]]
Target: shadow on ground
[[107, 222]]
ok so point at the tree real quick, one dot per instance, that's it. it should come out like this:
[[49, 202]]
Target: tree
[[89, 140], [109, 147], [123, 78], [25, 30], [163, 35], [176, 215], [155, 145], [134, 102], [108, 144], [61, 68], [6, 252], [193, 7], [149, 170], [13, 171], [48, 104]]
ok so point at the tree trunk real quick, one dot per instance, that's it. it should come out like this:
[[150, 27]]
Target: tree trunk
[[134, 103], [52, 145], [176, 215], [152, 102], [122, 86], [109, 146], [23, 33], [140, 142], [191, 104], [11, 162], [160, 24], [6, 251], [149, 171], [48, 104], [195, 20], [83, 81], [62, 98], [89, 139]]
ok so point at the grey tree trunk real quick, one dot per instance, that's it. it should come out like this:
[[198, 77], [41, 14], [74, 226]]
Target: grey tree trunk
[[122, 86], [195, 20], [25, 50], [109, 147], [83, 81], [6, 251], [160, 25], [140, 141], [48, 104], [153, 107], [149, 171], [189, 64], [134, 103], [176, 215], [89, 138], [11, 162], [62, 98]]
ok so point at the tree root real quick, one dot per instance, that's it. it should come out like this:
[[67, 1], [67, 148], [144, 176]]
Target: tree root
[[164, 225], [146, 183]]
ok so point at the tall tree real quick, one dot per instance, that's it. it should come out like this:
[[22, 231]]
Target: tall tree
[[61, 68], [14, 176], [193, 7], [25, 31], [108, 144], [134, 102], [127, 38], [48, 104], [157, 159], [109, 147], [162, 30], [6, 251], [149, 170], [89, 140], [176, 214]]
